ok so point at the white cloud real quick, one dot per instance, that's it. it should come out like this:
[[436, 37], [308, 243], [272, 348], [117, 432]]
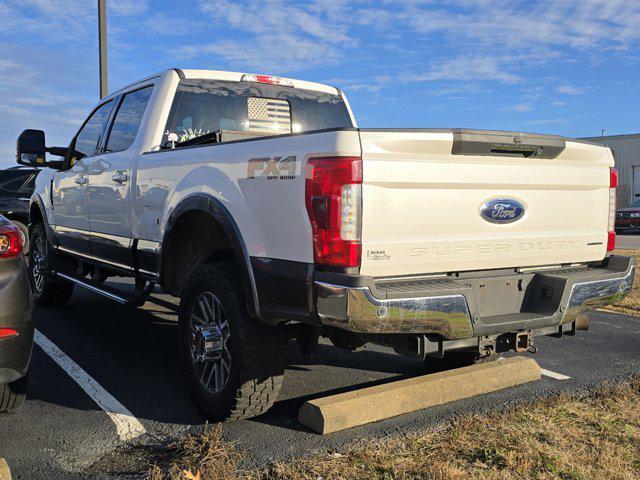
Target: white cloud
[[580, 24], [294, 54], [127, 7], [522, 107], [464, 68], [26, 101], [547, 121], [568, 89], [280, 35], [497, 38]]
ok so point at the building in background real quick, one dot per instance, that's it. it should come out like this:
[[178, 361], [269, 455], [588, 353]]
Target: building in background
[[626, 151]]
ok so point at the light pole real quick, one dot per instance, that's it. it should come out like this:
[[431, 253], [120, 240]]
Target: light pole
[[102, 34]]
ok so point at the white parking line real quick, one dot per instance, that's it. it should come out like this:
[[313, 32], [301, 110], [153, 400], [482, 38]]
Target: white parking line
[[549, 373], [127, 426], [554, 375]]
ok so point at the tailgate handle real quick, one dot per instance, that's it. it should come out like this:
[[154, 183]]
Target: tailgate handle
[[506, 144], [511, 152]]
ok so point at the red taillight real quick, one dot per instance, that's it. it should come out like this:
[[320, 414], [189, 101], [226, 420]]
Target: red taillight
[[613, 178], [7, 332], [333, 197], [611, 235], [10, 241]]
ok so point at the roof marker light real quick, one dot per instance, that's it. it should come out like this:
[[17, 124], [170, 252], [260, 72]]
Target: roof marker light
[[249, 77]]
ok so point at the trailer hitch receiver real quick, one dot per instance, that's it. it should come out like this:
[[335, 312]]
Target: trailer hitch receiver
[[523, 341]]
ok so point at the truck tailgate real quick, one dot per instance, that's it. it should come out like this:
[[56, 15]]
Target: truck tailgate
[[423, 192]]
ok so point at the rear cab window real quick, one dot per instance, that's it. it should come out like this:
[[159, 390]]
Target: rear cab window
[[127, 121], [205, 106]]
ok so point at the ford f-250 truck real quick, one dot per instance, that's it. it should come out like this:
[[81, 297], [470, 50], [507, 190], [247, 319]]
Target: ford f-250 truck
[[258, 202]]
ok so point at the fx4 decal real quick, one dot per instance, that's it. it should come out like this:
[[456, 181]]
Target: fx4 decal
[[276, 168]]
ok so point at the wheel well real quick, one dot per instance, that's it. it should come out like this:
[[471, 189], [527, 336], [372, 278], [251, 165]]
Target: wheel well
[[195, 238], [35, 215]]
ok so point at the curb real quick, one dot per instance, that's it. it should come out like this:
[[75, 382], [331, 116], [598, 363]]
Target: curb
[[350, 409], [5, 473]]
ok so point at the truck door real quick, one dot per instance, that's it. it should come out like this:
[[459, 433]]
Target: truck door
[[70, 185], [110, 182]]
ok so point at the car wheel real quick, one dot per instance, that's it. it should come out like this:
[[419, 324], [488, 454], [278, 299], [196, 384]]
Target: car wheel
[[12, 395], [48, 291], [234, 367], [25, 232]]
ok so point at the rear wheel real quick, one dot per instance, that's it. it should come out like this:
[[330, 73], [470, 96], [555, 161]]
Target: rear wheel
[[12, 395], [47, 290], [233, 366]]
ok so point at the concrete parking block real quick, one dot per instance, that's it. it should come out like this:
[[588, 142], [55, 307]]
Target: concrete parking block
[[346, 410], [5, 473]]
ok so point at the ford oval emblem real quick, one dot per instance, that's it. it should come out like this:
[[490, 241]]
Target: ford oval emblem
[[502, 210]]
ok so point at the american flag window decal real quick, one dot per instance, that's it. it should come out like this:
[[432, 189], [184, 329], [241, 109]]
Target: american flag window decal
[[269, 115]]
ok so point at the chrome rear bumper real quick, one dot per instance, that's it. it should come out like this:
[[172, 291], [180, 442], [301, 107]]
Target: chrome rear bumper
[[458, 309]]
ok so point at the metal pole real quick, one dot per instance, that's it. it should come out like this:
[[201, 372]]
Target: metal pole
[[102, 33]]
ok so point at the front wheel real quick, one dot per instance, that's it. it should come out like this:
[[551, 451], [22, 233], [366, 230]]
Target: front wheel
[[233, 366], [48, 291]]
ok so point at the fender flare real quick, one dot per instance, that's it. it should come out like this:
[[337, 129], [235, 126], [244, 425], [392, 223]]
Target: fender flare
[[39, 204], [214, 207]]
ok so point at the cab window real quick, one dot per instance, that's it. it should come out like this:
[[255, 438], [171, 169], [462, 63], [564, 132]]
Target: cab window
[[127, 122], [204, 106], [88, 138]]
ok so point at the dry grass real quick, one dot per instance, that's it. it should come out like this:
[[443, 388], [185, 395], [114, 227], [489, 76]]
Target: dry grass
[[597, 437], [199, 457], [631, 304]]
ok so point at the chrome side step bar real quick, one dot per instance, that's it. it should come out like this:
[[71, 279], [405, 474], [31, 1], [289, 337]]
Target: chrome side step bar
[[122, 298]]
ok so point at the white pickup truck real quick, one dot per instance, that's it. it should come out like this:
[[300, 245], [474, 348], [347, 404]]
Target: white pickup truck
[[258, 202]]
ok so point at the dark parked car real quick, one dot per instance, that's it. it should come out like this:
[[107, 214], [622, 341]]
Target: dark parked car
[[16, 325], [629, 217], [16, 187]]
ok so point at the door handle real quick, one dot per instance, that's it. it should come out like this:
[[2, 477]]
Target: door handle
[[82, 181], [120, 177]]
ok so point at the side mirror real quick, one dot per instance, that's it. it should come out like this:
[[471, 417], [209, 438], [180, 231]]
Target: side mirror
[[31, 149]]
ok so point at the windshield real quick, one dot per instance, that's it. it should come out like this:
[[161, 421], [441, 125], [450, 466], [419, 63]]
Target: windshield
[[205, 106], [635, 204]]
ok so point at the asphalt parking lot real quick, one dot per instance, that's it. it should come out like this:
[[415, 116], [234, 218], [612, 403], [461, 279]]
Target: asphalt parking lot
[[129, 357], [628, 240]]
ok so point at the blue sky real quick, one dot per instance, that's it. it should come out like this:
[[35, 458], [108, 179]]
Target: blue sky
[[557, 66]]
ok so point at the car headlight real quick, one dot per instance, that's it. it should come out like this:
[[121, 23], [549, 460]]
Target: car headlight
[[635, 215]]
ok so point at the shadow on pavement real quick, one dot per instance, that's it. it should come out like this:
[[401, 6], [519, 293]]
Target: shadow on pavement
[[132, 353]]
